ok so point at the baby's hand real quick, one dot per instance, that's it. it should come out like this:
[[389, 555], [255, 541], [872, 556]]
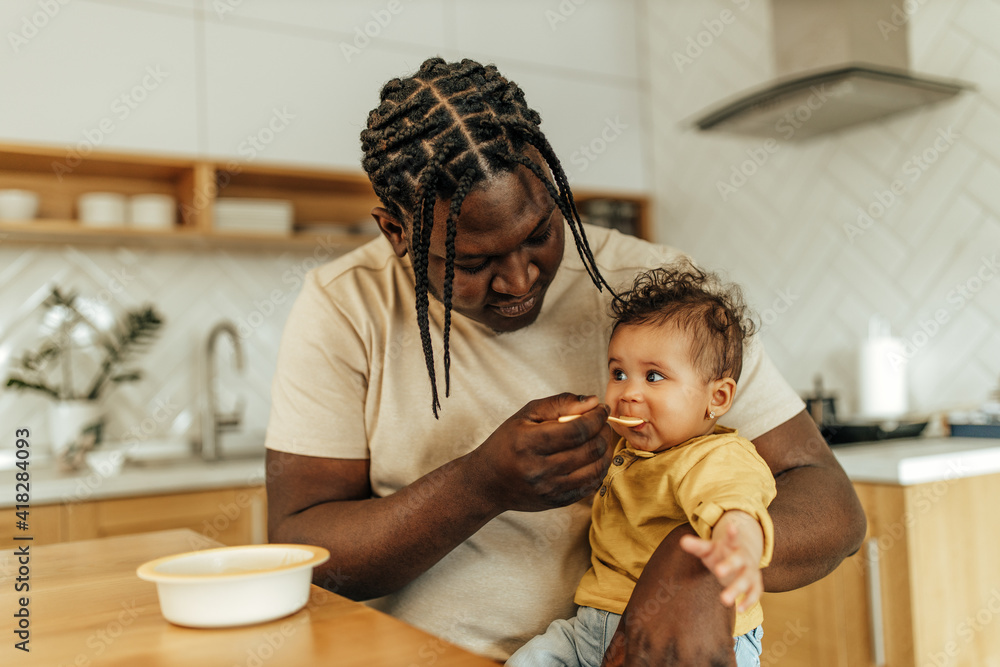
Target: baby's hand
[[733, 556]]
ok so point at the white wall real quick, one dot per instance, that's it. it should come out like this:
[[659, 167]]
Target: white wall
[[783, 233], [225, 66], [197, 77]]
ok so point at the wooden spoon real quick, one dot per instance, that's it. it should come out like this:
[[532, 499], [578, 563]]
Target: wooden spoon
[[624, 421]]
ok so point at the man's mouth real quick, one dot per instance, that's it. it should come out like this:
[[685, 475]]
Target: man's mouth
[[517, 308]]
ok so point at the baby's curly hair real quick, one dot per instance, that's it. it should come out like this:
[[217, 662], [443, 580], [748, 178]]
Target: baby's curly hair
[[698, 302]]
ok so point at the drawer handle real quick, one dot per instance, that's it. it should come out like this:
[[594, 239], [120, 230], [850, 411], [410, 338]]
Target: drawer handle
[[874, 580]]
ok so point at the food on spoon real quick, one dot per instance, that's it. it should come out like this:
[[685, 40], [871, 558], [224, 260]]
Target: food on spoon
[[624, 421]]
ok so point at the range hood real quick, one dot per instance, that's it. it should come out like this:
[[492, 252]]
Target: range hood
[[839, 63]]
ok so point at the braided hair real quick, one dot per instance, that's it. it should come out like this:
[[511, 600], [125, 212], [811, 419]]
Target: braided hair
[[437, 135]]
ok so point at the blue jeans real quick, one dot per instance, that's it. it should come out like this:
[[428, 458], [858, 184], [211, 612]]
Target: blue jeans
[[582, 640]]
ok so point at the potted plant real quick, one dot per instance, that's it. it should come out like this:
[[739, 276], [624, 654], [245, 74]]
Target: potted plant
[[76, 363]]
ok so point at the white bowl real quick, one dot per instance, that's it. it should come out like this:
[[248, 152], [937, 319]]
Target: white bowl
[[101, 209], [18, 205], [152, 211], [229, 586]]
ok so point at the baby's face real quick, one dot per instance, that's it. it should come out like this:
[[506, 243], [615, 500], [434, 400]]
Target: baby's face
[[651, 375]]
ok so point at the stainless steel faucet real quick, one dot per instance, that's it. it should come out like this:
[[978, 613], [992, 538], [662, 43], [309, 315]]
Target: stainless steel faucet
[[212, 422]]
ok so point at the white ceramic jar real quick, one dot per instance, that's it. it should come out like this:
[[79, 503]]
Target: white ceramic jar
[[18, 205], [102, 209], [152, 211]]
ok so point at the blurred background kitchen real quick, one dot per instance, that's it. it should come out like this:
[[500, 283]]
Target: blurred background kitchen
[[880, 235]]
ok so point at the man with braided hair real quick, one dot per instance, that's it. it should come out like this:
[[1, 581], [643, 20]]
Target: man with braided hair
[[468, 516]]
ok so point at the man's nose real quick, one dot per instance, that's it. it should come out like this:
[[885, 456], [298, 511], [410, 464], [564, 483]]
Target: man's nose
[[517, 274]]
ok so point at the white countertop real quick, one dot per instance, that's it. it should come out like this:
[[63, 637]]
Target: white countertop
[[907, 461], [50, 486]]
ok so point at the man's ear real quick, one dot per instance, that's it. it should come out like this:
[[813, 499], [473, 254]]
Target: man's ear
[[723, 391], [393, 229]]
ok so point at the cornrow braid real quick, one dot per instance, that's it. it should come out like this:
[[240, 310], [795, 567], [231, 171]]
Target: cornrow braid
[[464, 185], [437, 135]]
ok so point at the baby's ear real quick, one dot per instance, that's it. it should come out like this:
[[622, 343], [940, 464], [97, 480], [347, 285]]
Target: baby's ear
[[723, 391]]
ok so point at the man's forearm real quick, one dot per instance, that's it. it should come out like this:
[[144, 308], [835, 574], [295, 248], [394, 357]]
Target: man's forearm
[[818, 522], [818, 519], [674, 616], [424, 521]]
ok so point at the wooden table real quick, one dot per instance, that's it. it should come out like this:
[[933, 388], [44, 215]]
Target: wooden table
[[88, 607]]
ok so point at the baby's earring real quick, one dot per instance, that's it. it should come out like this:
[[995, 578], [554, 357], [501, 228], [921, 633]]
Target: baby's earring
[[711, 414]]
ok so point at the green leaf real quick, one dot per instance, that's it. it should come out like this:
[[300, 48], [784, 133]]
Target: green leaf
[[21, 385]]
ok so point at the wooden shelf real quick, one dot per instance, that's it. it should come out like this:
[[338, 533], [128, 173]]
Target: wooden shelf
[[325, 200], [71, 232]]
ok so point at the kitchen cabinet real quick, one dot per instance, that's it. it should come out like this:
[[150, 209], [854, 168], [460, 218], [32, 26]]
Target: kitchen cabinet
[[231, 516], [329, 205], [924, 590]]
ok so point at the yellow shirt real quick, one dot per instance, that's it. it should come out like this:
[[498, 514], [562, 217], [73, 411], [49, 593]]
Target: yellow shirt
[[646, 495]]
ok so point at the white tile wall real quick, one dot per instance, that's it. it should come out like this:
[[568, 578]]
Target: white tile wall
[[784, 229], [226, 73]]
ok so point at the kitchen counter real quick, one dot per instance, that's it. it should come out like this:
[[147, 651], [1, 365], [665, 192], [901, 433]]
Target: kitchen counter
[[908, 461], [50, 486], [903, 461]]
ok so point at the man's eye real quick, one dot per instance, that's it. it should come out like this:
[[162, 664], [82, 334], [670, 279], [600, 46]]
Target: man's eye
[[473, 269], [653, 376], [539, 240]]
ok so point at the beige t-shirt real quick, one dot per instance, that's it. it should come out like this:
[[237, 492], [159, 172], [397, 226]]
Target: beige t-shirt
[[352, 383]]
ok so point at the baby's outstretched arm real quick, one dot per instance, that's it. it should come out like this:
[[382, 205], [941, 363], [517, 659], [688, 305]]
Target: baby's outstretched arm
[[733, 556]]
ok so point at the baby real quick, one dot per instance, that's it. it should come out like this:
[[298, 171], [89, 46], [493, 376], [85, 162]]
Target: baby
[[674, 358]]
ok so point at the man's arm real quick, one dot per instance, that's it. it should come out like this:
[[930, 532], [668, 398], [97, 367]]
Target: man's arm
[[674, 616], [378, 545]]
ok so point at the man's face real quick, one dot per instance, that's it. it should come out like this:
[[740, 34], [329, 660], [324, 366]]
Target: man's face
[[508, 247]]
